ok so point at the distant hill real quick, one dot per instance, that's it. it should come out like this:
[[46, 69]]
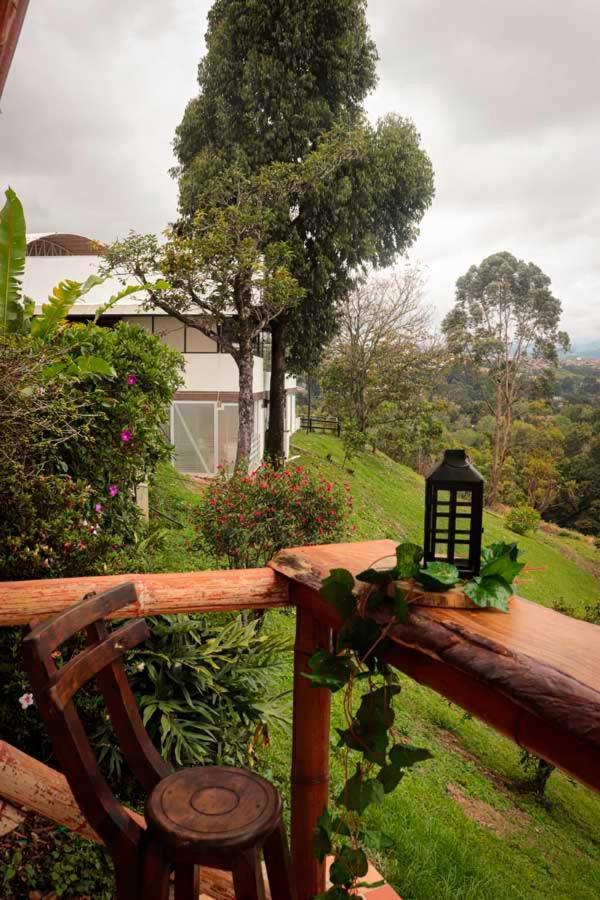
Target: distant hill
[[587, 349]]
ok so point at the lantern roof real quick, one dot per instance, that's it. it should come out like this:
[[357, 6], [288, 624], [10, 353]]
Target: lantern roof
[[455, 466]]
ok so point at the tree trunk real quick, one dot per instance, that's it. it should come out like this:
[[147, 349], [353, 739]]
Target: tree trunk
[[275, 442], [245, 362]]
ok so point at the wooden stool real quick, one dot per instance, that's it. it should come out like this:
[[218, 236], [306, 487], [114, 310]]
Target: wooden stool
[[219, 817], [213, 816]]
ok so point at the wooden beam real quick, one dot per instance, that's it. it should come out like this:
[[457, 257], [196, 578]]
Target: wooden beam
[[310, 756], [27, 782], [187, 592], [12, 15]]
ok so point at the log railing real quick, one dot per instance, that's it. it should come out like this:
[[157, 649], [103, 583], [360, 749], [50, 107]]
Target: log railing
[[534, 675]]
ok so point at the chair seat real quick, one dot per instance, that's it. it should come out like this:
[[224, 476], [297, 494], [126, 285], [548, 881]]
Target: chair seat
[[213, 807]]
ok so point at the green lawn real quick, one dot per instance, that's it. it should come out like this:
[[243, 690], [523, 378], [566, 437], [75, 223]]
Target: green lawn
[[462, 829]]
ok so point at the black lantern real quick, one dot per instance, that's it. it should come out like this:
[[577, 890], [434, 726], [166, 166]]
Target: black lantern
[[454, 513]]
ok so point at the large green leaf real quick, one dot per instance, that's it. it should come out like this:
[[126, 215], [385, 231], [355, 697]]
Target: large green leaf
[[59, 304], [408, 559], [13, 248], [436, 576], [501, 560], [337, 589], [489, 591]]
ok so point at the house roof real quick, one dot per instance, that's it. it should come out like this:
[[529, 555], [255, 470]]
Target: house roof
[[12, 14], [61, 244]]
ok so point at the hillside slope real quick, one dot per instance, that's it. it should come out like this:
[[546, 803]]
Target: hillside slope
[[464, 825], [388, 503]]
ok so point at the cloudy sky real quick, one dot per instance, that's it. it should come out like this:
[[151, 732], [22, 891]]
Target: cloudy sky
[[506, 94]]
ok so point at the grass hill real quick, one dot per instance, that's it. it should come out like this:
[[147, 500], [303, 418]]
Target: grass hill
[[464, 825], [388, 503]]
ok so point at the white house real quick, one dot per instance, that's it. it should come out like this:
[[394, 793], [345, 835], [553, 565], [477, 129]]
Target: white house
[[204, 413]]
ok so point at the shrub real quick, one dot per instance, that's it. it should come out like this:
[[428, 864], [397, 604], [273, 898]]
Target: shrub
[[522, 519], [244, 520], [77, 445], [202, 684]]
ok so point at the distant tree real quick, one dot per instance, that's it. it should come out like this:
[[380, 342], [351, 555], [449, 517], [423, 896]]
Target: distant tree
[[379, 367], [273, 83], [504, 317]]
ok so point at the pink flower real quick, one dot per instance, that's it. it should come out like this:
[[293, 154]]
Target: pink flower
[[26, 700], [126, 435], [98, 507], [113, 490], [131, 380]]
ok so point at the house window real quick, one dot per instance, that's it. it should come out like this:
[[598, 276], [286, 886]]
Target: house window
[[193, 433], [171, 331], [197, 342]]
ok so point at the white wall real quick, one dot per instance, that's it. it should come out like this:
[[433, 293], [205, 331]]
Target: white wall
[[217, 372]]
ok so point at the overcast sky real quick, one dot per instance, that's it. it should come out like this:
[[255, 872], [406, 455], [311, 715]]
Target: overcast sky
[[505, 94]]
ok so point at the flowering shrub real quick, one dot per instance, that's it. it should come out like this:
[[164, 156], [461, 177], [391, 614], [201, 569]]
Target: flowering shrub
[[244, 520], [76, 445]]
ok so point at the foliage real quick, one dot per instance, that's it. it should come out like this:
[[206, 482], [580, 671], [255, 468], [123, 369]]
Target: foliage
[[522, 519], [383, 759], [538, 771], [202, 684], [12, 262], [492, 587], [505, 315], [254, 109], [57, 865], [353, 440], [50, 527], [73, 455], [244, 520]]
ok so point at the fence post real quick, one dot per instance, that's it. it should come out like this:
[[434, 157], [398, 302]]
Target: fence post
[[310, 756]]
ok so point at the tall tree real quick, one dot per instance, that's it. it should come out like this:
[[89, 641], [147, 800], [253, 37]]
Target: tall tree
[[227, 276], [275, 79], [379, 368], [504, 317]]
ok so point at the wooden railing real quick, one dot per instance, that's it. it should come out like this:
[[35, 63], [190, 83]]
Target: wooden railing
[[321, 425], [534, 674]]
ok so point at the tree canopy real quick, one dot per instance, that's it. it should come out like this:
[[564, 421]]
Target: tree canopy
[[505, 316], [276, 80]]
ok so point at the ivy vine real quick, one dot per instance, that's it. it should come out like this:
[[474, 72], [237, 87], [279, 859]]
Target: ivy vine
[[357, 666]]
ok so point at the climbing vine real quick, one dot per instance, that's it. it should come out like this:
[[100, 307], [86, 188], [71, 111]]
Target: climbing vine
[[375, 759]]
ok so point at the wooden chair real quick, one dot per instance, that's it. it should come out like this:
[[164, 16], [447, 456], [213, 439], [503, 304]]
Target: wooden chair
[[213, 816]]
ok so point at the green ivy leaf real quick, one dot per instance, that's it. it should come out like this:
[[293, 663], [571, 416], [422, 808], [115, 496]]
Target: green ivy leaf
[[349, 864], [405, 756], [329, 670], [378, 576], [501, 560], [408, 560], [322, 835], [338, 590], [490, 590], [436, 576], [376, 708], [360, 635], [390, 777], [359, 793]]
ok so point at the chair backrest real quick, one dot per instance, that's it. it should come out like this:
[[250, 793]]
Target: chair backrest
[[54, 689]]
